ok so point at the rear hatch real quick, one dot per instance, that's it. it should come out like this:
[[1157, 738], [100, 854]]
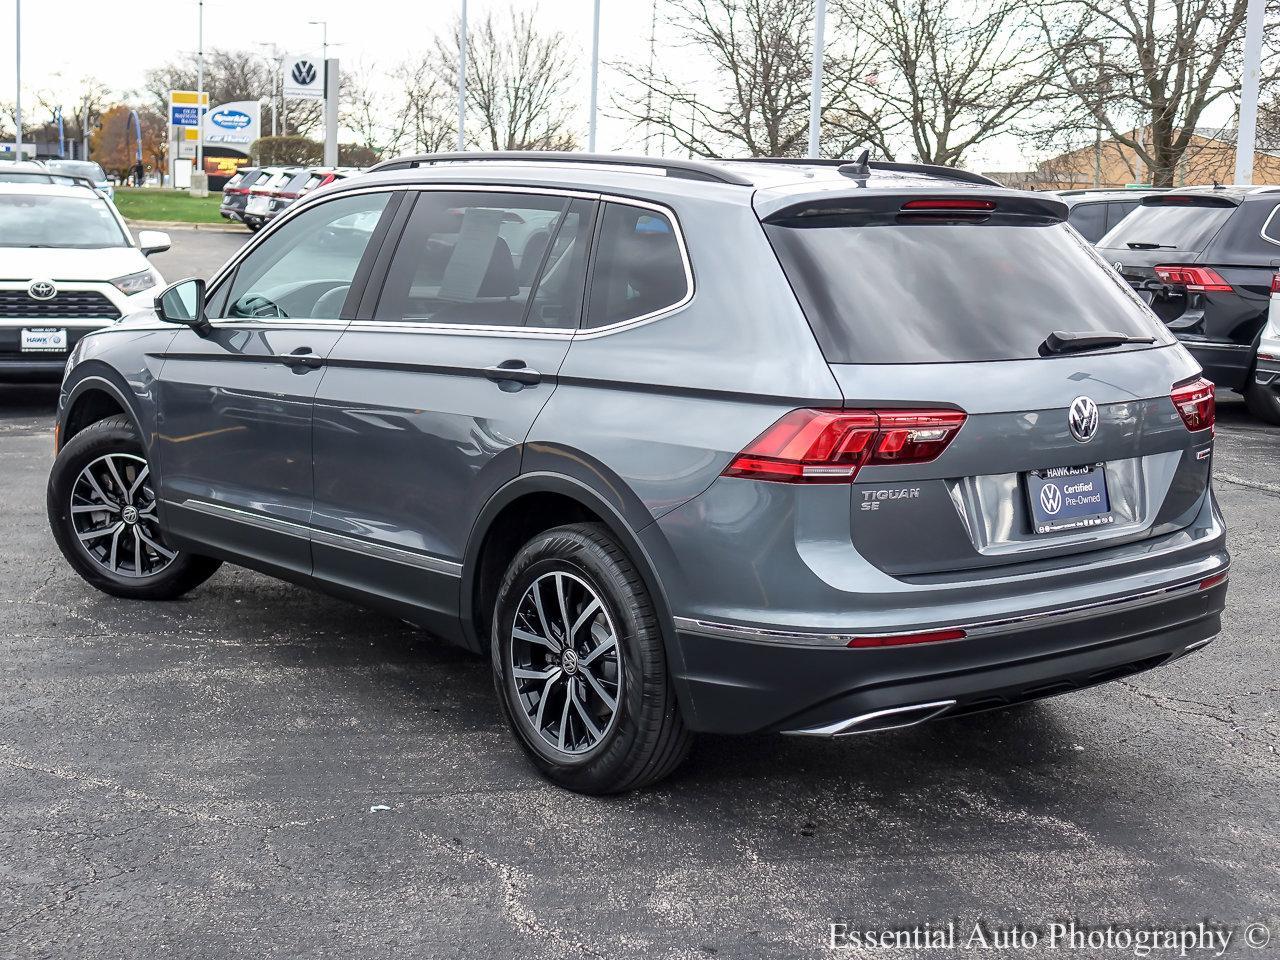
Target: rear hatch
[[947, 303], [1159, 250]]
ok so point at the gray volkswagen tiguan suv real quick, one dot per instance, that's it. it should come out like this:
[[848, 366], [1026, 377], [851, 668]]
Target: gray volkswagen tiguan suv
[[806, 447]]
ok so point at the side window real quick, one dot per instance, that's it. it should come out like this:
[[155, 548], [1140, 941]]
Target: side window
[[304, 270], [639, 268], [489, 259], [1089, 219], [1271, 228], [1117, 210]]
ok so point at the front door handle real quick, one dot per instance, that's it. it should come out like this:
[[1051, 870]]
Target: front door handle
[[513, 371], [302, 357]]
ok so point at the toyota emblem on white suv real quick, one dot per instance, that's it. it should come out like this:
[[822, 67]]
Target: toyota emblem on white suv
[[42, 290], [1082, 418]]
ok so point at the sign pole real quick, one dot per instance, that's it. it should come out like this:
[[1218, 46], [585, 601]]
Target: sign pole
[[815, 95], [1247, 132], [17, 109], [462, 80], [200, 88], [595, 77], [331, 113]]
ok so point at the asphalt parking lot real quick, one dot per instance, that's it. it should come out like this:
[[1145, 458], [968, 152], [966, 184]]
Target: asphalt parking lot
[[260, 771]]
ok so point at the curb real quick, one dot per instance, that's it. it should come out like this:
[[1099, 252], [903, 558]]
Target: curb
[[185, 225]]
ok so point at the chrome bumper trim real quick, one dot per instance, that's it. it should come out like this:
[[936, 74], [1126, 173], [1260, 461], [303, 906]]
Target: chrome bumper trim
[[908, 715], [973, 629]]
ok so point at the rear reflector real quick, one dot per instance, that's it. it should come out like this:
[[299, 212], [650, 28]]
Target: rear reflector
[[1210, 582], [947, 203], [831, 446], [1195, 279], [902, 639], [1194, 403]]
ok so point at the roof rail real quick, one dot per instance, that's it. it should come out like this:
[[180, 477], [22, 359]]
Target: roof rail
[[51, 175], [684, 169], [948, 173]]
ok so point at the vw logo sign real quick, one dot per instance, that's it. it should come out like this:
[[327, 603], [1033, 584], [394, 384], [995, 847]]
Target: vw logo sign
[[1119, 266], [1082, 418], [304, 73], [42, 290], [1050, 498]]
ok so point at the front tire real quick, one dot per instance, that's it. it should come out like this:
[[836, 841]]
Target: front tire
[[579, 664], [102, 511]]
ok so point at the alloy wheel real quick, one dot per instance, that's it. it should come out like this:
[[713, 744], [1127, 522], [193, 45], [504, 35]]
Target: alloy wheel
[[113, 514], [566, 663]]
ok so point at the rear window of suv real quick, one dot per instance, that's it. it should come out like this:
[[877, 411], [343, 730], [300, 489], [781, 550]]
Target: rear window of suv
[[930, 292], [1186, 224]]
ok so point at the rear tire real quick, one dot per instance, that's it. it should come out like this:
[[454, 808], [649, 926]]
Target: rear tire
[[1262, 401], [596, 713], [104, 466]]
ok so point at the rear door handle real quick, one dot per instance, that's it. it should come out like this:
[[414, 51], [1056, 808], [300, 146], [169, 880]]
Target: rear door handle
[[302, 357], [513, 371]]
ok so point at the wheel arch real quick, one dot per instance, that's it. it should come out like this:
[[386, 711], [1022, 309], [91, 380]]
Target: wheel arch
[[525, 506], [92, 394]]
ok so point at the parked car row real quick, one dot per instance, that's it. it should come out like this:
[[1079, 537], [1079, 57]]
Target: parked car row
[[257, 195], [63, 172]]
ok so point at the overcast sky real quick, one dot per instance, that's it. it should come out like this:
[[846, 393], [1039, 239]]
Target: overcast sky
[[66, 40]]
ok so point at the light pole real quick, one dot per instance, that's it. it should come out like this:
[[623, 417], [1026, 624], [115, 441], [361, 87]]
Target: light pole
[[815, 94], [17, 56], [462, 79], [595, 77], [324, 38], [1247, 131]]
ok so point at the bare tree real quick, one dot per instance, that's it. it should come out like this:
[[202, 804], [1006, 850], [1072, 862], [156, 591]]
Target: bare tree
[[950, 74], [428, 105], [370, 112], [520, 83], [759, 53], [1145, 71]]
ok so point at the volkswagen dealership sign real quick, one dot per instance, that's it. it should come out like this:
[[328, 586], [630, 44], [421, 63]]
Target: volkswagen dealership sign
[[304, 78], [234, 125]]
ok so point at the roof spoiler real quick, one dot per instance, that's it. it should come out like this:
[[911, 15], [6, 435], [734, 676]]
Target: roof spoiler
[[922, 205]]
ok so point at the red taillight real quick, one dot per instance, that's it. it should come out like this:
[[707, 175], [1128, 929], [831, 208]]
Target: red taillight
[[235, 192], [1275, 283], [902, 639], [831, 446], [949, 203], [1194, 403], [1196, 279], [1208, 583], [288, 195]]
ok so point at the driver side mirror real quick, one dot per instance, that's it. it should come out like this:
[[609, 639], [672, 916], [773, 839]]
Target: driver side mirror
[[183, 302]]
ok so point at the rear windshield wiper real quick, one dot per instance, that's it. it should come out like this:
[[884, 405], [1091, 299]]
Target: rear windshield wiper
[[1076, 341], [1140, 245]]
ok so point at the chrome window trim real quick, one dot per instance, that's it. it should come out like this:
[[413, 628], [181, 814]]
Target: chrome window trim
[[974, 630], [1266, 223], [476, 330], [412, 558]]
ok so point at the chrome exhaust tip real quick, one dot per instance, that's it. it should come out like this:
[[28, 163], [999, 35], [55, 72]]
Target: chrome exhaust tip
[[894, 718]]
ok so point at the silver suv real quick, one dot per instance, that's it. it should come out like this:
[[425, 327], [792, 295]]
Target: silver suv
[[806, 447]]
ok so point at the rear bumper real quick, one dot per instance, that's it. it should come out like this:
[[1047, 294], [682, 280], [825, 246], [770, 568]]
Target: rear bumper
[[1226, 364], [740, 683]]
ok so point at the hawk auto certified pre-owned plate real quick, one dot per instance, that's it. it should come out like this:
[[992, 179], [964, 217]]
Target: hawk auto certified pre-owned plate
[[44, 340], [1068, 498]]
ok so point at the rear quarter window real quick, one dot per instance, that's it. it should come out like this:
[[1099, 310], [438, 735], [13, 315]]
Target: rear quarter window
[[1090, 219], [639, 268]]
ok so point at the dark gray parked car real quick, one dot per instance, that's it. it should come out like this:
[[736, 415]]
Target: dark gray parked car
[[682, 446]]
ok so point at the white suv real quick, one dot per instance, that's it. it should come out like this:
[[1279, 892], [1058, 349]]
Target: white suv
[[1263, 395], [69, 266]]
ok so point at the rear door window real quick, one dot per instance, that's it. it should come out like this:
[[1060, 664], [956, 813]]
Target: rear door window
[[639, 269], [490, 259], [922, 292], [1178, 223]]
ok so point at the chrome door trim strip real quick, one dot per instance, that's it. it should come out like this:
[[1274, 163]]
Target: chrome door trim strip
[[973, 630], [381, 551], [304, 531]]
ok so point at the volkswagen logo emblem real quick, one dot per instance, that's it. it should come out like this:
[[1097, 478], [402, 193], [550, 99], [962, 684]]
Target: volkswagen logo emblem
[[304, 73], [42, 290], [569, 661], [1050, 498], [1082, 418], [1119, 266]]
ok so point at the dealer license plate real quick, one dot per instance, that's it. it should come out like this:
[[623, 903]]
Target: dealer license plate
[[1069, 498], [44, 340]]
